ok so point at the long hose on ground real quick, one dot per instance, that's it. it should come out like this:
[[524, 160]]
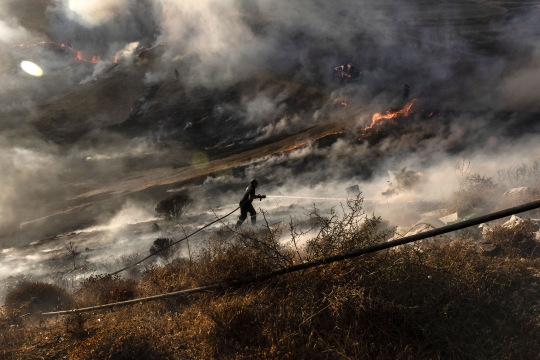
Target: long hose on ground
[[184, 238], [174, 243]]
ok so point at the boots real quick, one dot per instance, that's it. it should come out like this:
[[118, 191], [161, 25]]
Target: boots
[[238, 224]]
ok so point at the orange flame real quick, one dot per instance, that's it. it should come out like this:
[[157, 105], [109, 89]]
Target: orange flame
[[377, 117], [94, 59], [344, 102], [78, 54], [405, 111]]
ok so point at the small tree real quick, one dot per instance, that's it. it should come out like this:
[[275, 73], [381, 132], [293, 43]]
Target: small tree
[[174, 207], [163, 243], [72, 250]]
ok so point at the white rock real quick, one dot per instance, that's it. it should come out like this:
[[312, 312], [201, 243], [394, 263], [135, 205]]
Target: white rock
[[513, 222], [486, 228], [517, 191]]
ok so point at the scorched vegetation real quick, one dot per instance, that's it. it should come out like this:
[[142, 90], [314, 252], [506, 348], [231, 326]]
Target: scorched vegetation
[[415, 302]]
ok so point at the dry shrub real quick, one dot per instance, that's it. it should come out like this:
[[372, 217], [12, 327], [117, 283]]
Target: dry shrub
[[105, 289], [394, 304], [518, 241], [123, 341], [521, 175], [234, 325], [475, 195], [346, 232], [173, 277], [440, 301], [244, 254], [36, 297]]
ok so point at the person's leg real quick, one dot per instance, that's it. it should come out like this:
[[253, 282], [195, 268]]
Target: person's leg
[[242, 217], [253, 214]]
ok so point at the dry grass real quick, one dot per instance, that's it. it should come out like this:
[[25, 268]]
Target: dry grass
[[33, 298], [445, 301], [105, 289]]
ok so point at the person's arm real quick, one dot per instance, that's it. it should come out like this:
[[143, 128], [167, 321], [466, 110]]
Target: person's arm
[[251, 195]]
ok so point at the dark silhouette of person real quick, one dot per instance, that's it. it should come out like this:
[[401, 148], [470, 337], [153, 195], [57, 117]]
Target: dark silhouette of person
[[406, 92], [246, 205]]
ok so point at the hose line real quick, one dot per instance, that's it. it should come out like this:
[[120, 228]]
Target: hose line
[[174, 243]]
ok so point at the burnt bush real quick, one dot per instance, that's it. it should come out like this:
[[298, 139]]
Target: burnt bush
[[174, 207], [36, 297], [165, 248]]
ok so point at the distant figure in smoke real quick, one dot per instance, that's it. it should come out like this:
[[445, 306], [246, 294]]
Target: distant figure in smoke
[[406, 93], [176, 73], [246, 204]]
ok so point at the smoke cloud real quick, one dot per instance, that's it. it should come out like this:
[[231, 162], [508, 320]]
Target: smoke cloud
[[96, 12], [133, 89]]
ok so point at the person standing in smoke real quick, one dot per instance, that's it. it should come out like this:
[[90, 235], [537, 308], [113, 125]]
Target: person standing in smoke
[[246, 205], [406, 93]]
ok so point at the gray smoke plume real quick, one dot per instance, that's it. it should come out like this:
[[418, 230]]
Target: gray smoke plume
[[251, 73]]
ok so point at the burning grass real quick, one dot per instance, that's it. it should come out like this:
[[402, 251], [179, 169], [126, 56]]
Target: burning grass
[[444, 301]]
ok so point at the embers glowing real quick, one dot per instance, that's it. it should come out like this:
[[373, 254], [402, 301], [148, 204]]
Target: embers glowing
[[78, 53], [93, 60], [338, 101]]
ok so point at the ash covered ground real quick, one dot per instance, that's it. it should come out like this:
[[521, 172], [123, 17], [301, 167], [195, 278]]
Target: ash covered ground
[[141, 99]]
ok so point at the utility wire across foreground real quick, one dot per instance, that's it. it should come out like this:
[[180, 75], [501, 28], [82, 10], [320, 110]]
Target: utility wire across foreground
[[371, 249]]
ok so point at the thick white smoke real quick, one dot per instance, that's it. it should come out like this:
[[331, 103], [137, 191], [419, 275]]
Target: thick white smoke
[[519, 90], [209, 41], [93, 13], [28, 170], [285, 52]]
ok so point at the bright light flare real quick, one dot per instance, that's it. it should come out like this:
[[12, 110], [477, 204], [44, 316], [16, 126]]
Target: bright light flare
[[31, 68]]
